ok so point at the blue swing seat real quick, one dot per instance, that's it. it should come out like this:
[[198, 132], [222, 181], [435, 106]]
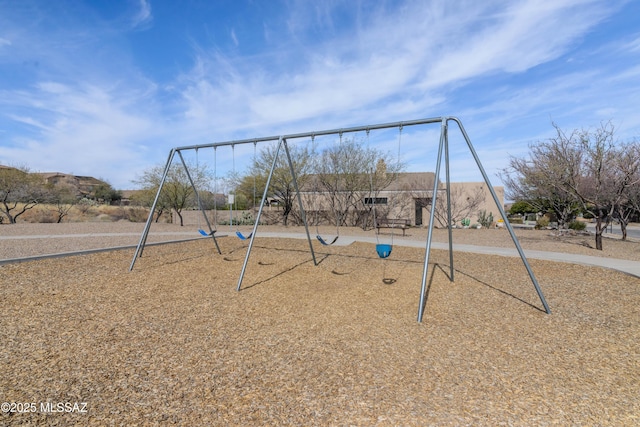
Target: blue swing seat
[[204, 233], [383, 250], [242, 237], [324, 242]]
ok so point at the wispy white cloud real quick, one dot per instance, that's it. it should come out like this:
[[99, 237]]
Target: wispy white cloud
[[234, 38], [143, 16], [632, 46], [523, 36], [406, 54], [88, 129]]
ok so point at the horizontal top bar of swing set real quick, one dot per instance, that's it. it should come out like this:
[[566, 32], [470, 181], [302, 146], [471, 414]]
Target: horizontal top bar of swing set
[[322, 132]]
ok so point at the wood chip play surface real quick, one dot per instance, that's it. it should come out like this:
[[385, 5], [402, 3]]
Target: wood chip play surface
[[173, 342]]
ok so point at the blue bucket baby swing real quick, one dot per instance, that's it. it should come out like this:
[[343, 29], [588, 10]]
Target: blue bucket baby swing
[[383, 249]]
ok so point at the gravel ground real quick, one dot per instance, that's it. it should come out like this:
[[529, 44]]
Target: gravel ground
[[173, 342]]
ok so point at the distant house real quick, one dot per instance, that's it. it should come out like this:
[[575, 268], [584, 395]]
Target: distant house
[[408, 197], [84, 186]]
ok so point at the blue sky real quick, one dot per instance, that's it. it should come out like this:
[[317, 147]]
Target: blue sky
[[106, 88]]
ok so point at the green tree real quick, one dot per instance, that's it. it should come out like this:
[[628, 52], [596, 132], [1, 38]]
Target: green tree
[[177, 192], [246, 194], [145, 197], [106, 193], [281, 188], [521, 207]]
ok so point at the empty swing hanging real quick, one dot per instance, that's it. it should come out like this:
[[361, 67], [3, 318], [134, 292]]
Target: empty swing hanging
[[318, 236], [199, 201], [214, 229], [234, 201], [323, 241]]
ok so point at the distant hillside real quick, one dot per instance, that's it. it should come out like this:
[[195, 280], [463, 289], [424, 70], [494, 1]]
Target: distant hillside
[[83, 185]]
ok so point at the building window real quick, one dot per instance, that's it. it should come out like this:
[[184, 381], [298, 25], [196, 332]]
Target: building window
[[368, 201]]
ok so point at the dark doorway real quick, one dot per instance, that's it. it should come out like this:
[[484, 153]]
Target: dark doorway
[[420, 203]]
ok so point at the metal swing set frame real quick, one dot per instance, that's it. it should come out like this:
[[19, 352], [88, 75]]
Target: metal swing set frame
[[282, 145]]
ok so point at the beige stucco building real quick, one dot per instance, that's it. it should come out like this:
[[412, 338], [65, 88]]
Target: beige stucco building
[[408, 196]]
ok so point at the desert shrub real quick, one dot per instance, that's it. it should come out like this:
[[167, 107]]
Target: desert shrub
[[84, 205], [36, 215], [115, 213], [542, 222], [245, 219], [485, 219], [577, 225], [137, 214], [40, 215]]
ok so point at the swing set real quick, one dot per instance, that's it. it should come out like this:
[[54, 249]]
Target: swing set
[[383, 249]]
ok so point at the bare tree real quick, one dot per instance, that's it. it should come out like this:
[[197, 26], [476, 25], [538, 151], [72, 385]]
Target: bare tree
[[609, 172], [543, 179], [348, 173], [627, 170], [463, 204], [631, 207], [585, 167], [20, 191]]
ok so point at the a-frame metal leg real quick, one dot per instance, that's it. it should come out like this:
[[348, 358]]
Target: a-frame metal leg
[[195, 190], [281, 143], [504, 216], [449, 224], [257, 220], [423, 289], [299, 197], [145, 232]]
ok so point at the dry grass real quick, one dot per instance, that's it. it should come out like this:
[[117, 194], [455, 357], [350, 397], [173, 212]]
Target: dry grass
[[44, 213]]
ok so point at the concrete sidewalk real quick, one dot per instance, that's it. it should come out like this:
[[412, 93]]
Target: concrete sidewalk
[[625, 266]]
